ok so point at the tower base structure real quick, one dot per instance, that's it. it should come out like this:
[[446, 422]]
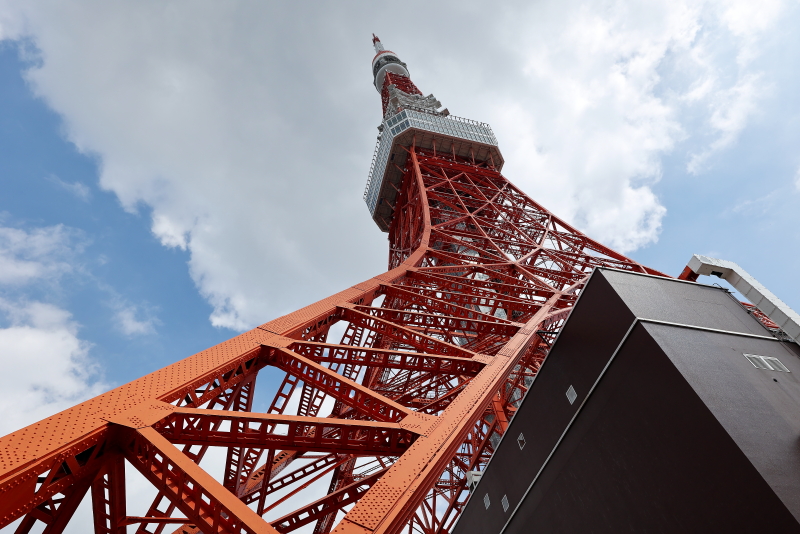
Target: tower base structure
[[663, 406]]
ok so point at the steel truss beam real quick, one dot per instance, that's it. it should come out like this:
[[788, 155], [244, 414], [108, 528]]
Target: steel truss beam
[[340, 388], [414, 394], [331, 503], [108, 498], [194, 492], [270, 431], [312, 469], [388, 359]]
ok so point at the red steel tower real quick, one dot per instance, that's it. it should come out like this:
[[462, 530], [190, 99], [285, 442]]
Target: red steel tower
[[435, 357]]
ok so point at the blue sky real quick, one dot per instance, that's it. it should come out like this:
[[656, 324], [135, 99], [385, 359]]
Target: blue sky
[[173, 174], [117, 271]]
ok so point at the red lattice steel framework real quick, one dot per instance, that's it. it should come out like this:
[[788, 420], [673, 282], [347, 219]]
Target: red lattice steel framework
[[436, 356], [403, 83]]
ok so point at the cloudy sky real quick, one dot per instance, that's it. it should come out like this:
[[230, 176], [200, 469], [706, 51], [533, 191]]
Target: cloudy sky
[[172, 173]]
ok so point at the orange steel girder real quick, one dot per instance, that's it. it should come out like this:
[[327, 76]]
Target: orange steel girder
[[436, 357]]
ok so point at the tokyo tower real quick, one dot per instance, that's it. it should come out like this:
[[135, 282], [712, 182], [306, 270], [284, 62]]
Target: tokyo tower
[[435, 357]]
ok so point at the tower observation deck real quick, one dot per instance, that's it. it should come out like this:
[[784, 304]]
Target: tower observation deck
[[373, 430], [409, 118]]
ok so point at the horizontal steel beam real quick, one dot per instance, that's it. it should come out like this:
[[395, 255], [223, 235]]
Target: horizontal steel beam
[[386, 358], [273, 431]]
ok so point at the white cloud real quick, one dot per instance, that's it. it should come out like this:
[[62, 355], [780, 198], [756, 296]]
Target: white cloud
[[42, 253], [133, 321], [170, 234], [731, 110], [191, 119], [45, 365], [750, 21], [245, 130], [76, 189], [588, 136], [759, 206], [732, 105], [607, 90]]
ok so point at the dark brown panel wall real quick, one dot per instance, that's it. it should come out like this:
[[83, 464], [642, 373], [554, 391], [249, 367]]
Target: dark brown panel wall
[[681, 433]]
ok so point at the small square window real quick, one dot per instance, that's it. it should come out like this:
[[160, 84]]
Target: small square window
[[504, 502], [486, 501], [571, 395], [521, 441]]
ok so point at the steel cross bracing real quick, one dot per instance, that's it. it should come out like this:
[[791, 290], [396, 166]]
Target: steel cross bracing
[[436, 356], [403, 83]]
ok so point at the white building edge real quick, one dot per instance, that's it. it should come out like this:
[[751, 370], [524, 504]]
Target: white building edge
[[778, 311]]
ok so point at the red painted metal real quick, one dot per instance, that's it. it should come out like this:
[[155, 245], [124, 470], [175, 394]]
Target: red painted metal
[[403, 83], [688, 274], [762, 317], [108, 498], [436, 356], [268, 431]]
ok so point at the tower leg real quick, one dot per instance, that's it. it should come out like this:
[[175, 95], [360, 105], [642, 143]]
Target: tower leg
[[108, 498]]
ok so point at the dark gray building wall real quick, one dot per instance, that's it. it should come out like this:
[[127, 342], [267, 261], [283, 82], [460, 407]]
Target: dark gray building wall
[[680, 433]]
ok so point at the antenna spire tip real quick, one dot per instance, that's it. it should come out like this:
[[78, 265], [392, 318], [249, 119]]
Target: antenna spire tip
[[377, 44]]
